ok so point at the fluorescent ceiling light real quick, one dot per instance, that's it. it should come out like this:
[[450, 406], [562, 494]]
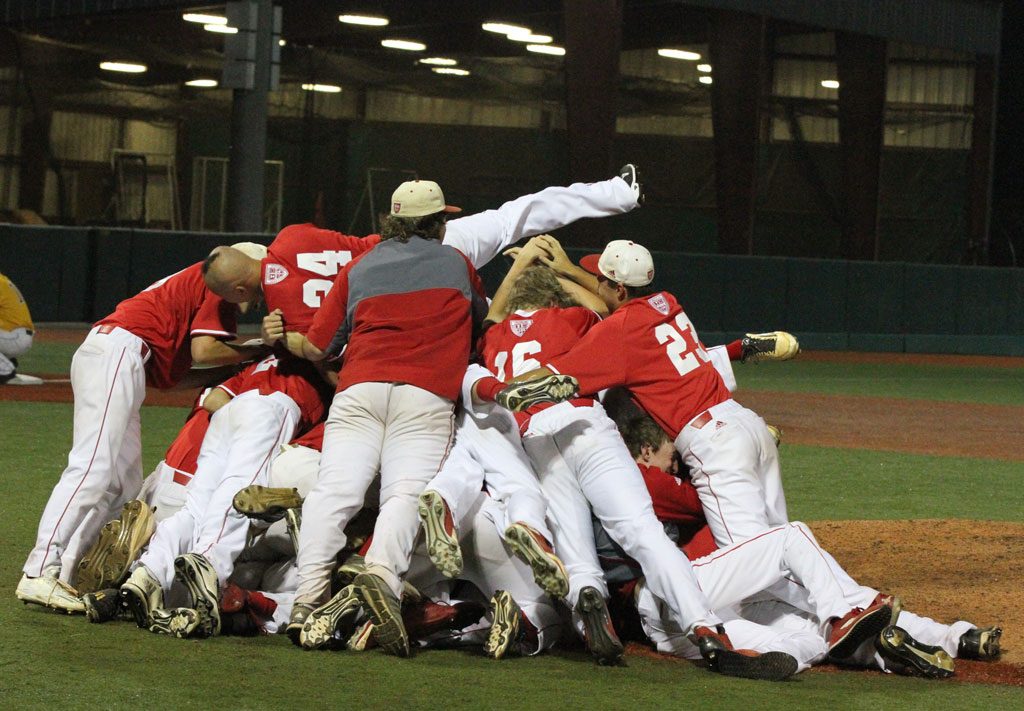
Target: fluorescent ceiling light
[[203, 19], [452, 71], [365, 20], [679, 54], [530, 37], [222, 29], [202, 82], [705, 79], [128, 67], [706, 68], [439, 61], [545, 49], [502, 28], [325, 88], [830, 84], [407, 45]]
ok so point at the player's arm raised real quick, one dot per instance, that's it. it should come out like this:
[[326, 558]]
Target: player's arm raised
[[524, 257]]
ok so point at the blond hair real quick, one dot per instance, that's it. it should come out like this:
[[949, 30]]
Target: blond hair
[[538, 288]]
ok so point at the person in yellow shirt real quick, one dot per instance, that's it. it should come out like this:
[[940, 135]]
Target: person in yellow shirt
[[16, 331]]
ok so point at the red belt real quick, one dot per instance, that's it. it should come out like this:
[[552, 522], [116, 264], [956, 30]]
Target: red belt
[[107, 328], [700, 420]]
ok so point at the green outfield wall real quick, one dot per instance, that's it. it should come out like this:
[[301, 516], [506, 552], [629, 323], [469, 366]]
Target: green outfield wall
[[80, 274]]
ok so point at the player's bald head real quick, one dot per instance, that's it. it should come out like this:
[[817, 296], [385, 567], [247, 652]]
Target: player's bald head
[[232, 275]]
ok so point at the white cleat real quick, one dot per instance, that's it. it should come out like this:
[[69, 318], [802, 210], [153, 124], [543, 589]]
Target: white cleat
[[22, 379], [142, 595], [48, 591]]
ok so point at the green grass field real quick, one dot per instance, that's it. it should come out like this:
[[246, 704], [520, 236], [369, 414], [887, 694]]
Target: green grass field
[[53, 660]]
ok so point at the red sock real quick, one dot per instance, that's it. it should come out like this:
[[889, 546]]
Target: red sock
[[487, 388], [261, 604], [735, 349]]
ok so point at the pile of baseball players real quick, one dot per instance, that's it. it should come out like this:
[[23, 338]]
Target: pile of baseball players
[[400, 462]]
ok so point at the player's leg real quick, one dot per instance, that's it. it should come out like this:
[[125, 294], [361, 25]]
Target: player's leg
[[108, 378], [350, 460], [259, 425], [445, 501], [419, 434], [610, 480], [740, 493], [164, 491], [295, 468], [484, 235]]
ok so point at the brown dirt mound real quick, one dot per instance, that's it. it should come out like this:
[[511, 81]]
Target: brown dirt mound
[[916, 426]]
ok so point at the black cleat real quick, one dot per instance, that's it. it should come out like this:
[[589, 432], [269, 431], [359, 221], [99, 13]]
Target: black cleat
[[598, 631], [980, 643], [525, 394], [905, 655]]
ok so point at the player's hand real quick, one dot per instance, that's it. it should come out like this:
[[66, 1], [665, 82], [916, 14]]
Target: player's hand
[[554, 256], [272, 328]]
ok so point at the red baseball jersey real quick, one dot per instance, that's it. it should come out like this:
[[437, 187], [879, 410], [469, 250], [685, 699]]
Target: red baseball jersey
[[183, 453], [166, 316], [649, 346], [294, 377], [314, 439], [403, 313], [300, 268]]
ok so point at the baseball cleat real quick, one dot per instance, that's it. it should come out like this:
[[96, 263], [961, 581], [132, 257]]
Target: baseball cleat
[[441, 538], [980, 643], [534, 550], [142, 594], [179, 622], [195, 573], [776, 434], [21, 379], [347, 571], [385, 611], [505, 625], [103, 605], [266, 503], [905, 655], [49, 591], [300, 611], [893, 602], [717, 651], [856, 627], [322, 626], [631, 174], [776, 345], [524, 395], [120, 542], [598, 631]]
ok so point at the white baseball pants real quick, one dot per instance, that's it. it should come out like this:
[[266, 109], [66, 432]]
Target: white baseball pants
[[490, 566], [13, 344], [401, 430], [105, 462], [481, 237], [162, 493], [734, 465], [586, 465], [243, 438], [488, 451]]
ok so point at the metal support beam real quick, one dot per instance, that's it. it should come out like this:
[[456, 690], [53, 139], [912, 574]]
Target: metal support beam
[[593, 37], [736, 46], [861, 65], [979, 187], [249, 133]]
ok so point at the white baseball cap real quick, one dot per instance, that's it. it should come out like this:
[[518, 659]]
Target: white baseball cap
[[252, 250], [418, 198], [622, 261]]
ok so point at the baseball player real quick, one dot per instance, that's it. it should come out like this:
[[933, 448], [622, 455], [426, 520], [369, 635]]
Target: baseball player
[[199, 544], [404, 313], [152, 338], [16, 332], [583, 464]]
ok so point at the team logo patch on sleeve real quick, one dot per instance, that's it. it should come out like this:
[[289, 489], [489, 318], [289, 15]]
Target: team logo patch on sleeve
[[659, 303], [275, 273], [519, 327]]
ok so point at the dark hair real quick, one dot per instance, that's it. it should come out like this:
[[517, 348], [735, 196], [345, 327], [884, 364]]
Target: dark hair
[[642, 431], [635, 292], [402, 228], [210, 259], [538, 288]]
